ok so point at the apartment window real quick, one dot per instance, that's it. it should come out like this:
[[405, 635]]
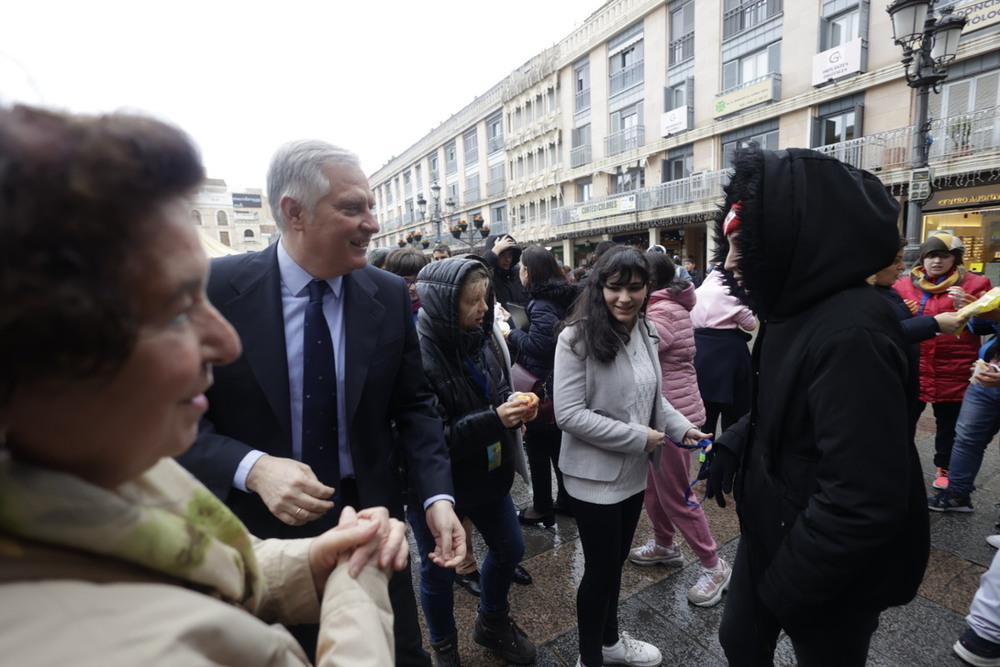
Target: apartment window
[[740, 15], [582, 71], [627, 180], [763, 134], [222, 218], [494, 133], [453, 192], [838, 121], [840, 28], [224, 238], [196, 216], [248, 236], [584, 189], [678, 164], [965, 95], [450, 158], [751, 66], [472, 188], [682, 33], [498, 214], [626, 130], [387, 192], [625, 60], [470, 143], [407, 183], [432, 161]]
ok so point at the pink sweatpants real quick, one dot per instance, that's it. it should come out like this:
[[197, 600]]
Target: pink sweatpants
[[668, 511]]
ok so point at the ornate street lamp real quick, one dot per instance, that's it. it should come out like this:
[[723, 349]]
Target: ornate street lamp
[[437, 216], [929, 45]]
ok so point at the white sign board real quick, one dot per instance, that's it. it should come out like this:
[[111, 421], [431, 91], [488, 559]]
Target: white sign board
[[674, 121], [837, 62]]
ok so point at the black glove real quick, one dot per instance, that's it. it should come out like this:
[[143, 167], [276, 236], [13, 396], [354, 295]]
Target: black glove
[[721, 473]]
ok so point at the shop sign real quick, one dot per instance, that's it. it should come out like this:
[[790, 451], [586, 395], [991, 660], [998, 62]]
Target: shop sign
[[762, 91], [969, 197], [241, 200], [674, 121], [979, 15], [606, 208], [837, 62]]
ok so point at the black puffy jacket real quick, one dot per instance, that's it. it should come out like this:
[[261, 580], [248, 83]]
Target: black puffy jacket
[[830, 492], [547, 308], [470, 418], [506, 282]]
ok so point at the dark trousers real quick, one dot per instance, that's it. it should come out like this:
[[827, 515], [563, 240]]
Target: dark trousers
[[405, 626], [945, 418], [606, 533], [542, 444], [749, 631]]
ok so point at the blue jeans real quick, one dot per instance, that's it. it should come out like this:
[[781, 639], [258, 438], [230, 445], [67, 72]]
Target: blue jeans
[[978, 422], [497, 523]]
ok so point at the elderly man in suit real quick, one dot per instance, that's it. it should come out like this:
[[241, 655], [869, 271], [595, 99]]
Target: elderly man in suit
[[328, 405]]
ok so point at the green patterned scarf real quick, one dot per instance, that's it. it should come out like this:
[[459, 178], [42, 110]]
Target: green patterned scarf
[[163, 521]]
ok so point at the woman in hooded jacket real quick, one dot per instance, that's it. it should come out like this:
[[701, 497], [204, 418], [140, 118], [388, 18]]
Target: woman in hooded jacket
[[454, 326], [937, 284], [668, 498], [551, 296]]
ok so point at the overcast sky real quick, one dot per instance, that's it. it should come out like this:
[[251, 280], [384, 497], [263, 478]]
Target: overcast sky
[[242, 77]]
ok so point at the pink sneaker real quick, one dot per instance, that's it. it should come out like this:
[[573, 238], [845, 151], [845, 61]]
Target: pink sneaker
[[941, 481]]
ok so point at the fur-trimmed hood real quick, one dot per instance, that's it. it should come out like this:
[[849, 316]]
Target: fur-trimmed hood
[[811, 226], [559, 292]]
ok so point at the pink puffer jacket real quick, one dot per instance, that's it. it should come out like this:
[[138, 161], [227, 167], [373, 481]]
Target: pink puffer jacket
[[671, 315]]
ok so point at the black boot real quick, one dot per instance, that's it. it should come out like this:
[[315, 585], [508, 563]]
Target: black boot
[[470, 582], [446, 652], [500, 634], [522, 576]]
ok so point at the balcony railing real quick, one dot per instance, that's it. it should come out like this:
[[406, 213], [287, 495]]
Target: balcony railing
[[682, 49], [494, 188], [494, 144], [583, 100], [471, 195], [624, 140], [954, 137], [451, 166], [472, 156], [700, 187], [747, 15], [580, 155], [625, 78]]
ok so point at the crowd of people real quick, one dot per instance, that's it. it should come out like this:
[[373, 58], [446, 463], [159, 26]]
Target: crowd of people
[[180, 446]]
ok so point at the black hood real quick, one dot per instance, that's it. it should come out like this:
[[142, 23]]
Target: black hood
[[559, 292], [491, 241], [812, 226], [439, 289]]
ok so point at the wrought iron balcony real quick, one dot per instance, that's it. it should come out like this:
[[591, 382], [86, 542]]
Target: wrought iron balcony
[[579, 155], [624, 140]]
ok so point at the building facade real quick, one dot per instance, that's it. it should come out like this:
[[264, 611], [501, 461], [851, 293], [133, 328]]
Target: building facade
[[623, 129], [237, 220]]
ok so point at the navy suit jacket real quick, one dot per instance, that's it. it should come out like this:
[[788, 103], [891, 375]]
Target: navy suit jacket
[[384, 385]]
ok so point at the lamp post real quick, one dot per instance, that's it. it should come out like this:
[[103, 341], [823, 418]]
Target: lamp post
[[929, 45], [476, 231], [437, 215]]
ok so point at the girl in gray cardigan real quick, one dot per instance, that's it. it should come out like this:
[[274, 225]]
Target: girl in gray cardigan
[[609, 406]]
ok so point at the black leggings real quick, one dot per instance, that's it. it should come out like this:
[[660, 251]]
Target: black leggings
[[606, 533]]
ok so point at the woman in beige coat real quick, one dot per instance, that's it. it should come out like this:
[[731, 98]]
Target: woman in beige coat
[[110, 553]]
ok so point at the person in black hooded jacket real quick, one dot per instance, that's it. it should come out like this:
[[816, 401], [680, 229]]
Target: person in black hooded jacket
[[829, 490], [551, 297], [502, 254], [455, 324]]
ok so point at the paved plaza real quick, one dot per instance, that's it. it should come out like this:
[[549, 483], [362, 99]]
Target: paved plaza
[[654, 604]]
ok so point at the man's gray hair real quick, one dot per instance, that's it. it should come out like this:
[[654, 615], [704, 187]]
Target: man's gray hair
[[296, 171]]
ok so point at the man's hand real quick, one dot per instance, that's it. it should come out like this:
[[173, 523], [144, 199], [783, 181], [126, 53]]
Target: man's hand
[[721, 474], [366, 538], [290, 489], [949, 323], [503, 243], [449, 536]]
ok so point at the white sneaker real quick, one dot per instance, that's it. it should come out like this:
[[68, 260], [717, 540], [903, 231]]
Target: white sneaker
[[711, 585], [631, 652], [652, 553], [993, 541]]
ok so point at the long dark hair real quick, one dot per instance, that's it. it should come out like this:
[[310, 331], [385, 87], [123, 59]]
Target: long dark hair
[[601, 335], [542, 267], [662, 270]]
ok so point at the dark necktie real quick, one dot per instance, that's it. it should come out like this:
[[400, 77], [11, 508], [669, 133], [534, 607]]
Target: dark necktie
[[320, 444]]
